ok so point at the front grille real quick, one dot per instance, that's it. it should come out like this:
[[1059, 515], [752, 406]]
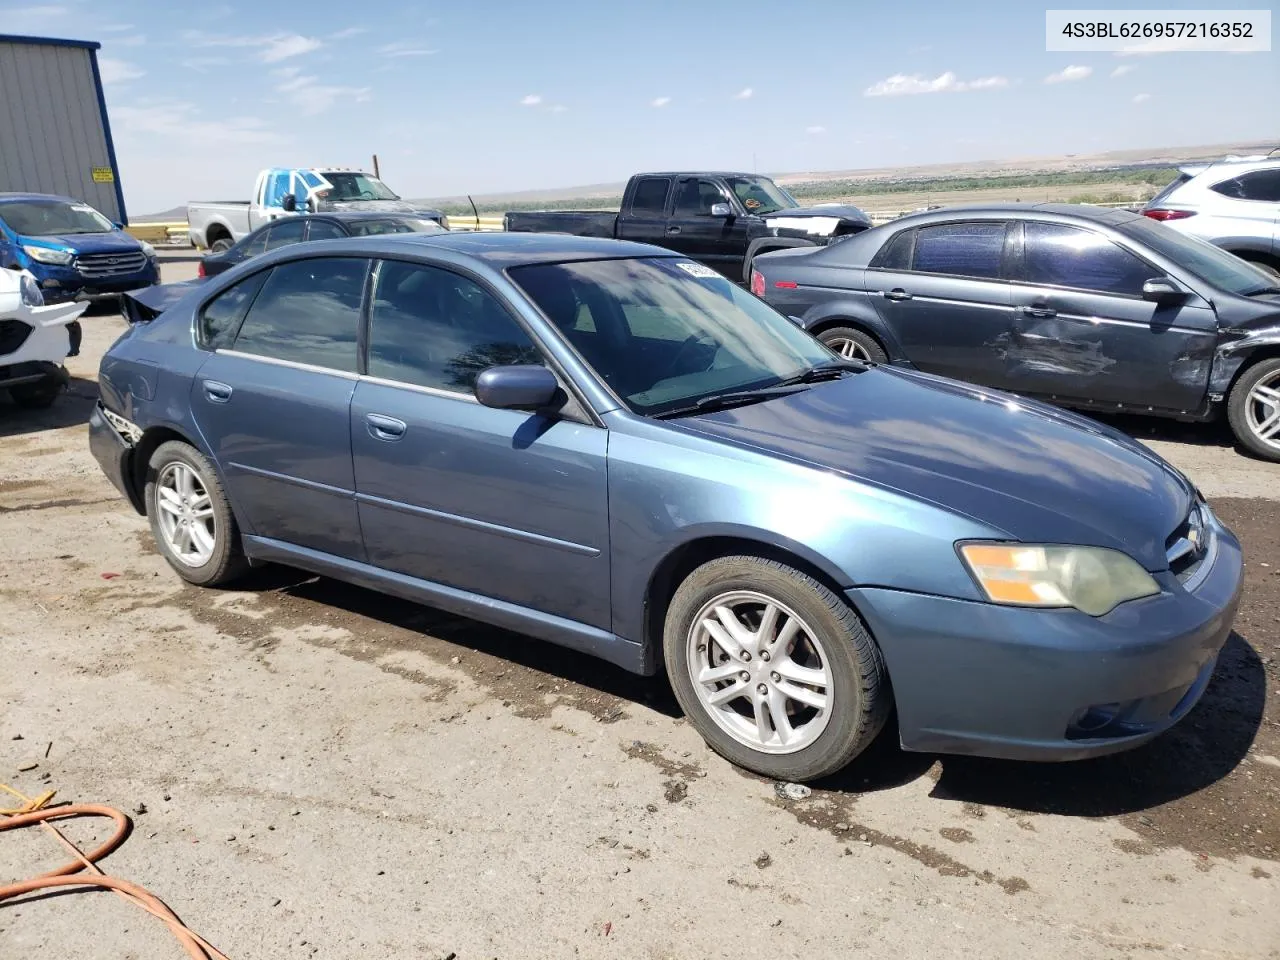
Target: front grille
[[99, 266], [1188, 546], [13, 334]]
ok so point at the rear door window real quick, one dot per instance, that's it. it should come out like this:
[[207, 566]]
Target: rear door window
[[973, 249], [1261, 185], [1062, 256], [308, 311], [221, 316], [650, 198], [285, 232], [324, 230]]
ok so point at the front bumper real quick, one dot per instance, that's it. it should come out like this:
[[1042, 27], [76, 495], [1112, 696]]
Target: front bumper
[[65, 284], [1017, 683]]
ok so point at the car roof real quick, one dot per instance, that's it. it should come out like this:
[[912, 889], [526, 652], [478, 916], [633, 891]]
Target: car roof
[[28, 197], [1112, 216], [697, 173], [354, 215], [503, 250]]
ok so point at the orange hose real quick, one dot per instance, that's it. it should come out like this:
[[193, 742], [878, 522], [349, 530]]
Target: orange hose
[[196, 946]]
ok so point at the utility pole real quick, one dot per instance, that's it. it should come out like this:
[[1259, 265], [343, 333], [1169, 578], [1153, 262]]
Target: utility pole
[[375, 167]]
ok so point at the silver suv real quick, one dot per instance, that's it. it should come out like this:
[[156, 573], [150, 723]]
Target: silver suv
[[1233, 203]]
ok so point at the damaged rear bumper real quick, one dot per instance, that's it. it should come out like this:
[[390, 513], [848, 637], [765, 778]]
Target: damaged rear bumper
[[111, 441]]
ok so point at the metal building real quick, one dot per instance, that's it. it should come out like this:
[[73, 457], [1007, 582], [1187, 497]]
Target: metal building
[[54, 134]]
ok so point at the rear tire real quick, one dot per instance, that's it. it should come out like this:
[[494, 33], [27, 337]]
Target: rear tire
[[221, 245], [1253, 408], [206, 549], [813, 651], [36, 396], [853, 344]]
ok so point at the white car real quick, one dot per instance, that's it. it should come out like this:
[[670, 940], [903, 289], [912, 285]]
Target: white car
[[1234, 204], [34, 340]]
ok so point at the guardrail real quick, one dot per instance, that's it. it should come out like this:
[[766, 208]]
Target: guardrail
[[171, 232], [475, 223]]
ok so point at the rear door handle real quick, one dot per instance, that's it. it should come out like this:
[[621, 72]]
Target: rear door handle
[[1040, 310], [384, 428], [216, 391], [672, 231], [897, 293]]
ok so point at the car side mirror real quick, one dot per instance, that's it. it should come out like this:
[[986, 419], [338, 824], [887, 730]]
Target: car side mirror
[[1161, 290], [721, 210], [289, 203], [519, 387]]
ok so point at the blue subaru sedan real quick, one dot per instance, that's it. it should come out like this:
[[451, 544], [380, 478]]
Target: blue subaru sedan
[[611, 447]]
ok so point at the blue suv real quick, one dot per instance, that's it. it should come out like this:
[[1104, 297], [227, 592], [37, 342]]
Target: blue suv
[[73, 251]]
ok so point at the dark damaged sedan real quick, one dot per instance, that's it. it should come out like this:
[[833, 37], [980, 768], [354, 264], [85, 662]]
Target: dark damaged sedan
[[1097, 309], [610, 446]]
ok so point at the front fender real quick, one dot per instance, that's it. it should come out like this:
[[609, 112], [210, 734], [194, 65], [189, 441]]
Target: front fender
[[1231, 356]]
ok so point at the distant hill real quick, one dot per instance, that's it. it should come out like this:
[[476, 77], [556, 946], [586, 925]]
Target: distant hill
[[177, 213]]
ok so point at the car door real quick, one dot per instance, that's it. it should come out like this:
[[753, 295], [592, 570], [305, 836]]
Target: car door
[[644, 220], [501, 503], [718, 241], [943, 293], [1081, 329], [270, 205], [273, 399]]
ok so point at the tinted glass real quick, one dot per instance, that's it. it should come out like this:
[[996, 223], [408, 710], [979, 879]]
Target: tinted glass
[[1262, 185], [651, 196], [664, 332], [277, 187], [221, 316], [695, 197], [353, 185], [284, 233], [255, 243], [324, 230], [308, 311], [47, 218], [369, 228], [960, 249], [438, 329], [760, 195], [1224, 270], [1071, 257], [1173, 185], [896, 254]]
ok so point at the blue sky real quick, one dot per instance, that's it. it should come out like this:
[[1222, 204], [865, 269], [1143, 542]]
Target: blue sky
[[496, 95]]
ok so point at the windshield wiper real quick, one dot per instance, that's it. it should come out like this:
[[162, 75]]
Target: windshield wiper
[[736, 398], [1262, 290], [829, 370]]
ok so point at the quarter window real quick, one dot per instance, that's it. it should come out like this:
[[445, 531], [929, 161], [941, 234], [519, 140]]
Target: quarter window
[[221, 316], [324, 230], [1062, 256], [896, 254], [650, 199], [1262, 185], [434, 328], [308, 311], [285, 232], [961, 249]]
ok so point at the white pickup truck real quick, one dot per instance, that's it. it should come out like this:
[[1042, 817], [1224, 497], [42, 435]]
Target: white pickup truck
[[283, 191]]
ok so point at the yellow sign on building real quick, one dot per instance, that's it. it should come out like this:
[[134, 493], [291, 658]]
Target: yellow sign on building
[[103, 175]]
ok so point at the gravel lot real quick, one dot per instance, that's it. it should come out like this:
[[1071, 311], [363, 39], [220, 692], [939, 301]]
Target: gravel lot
[[329, 772]]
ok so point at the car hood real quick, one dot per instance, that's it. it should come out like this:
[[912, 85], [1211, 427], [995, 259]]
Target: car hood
[[116, 241], [378, 206], [819, 221], [1037, 473]]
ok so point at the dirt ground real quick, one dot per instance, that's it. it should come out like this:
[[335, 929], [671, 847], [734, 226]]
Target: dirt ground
[[317, 770]]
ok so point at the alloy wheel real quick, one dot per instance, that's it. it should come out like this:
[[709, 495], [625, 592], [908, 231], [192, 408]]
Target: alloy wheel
[[1262, 410], [849, 349], [185, 512]]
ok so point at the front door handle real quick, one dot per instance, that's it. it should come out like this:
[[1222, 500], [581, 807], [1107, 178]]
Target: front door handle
[[384, 428], [216, 391], [1039, 310], [897, 293], [672, 231]]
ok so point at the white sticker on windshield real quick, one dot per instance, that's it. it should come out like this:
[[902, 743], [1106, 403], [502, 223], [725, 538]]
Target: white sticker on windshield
[[699, 270]]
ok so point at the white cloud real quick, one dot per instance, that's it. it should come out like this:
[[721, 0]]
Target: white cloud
[[272, 49], [348, 33], [815, 130], [405, 49], [309, 95], [1141, 97], [532, 100], [559, 108], [1124, 68], [118, 71], [1068, 74], [901, 84], [179, 122], [746, 93], [659, 101]]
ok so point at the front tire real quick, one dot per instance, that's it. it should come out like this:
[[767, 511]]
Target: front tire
[[221, 245], [1253, 408], [191, 518], [853, 344], [774, 670]]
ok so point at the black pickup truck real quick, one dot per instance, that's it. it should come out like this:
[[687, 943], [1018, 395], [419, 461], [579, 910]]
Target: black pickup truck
[[721, 219]]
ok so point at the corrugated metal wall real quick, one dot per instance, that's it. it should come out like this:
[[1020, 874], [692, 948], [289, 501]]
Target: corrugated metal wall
[[51, 134]]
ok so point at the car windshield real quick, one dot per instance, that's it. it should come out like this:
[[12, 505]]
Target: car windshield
[[369, 228], [1224, 270], [357, 186], [760, 195], [665, 333], [49, 218]]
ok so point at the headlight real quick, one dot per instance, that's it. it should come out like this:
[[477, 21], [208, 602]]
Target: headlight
[[1094, 580], [47, 254], [148, 249], [31, 295]]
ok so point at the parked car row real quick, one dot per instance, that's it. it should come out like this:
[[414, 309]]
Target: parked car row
[[613, 447]]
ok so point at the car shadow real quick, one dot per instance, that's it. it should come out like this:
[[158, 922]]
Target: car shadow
[[72, 408], [1215, 433], [1207, 745]]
